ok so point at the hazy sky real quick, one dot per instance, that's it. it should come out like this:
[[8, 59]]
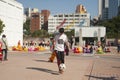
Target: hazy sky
[[62, 6]]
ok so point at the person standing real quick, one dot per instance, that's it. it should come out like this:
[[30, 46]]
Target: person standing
[[72, 42], [53, 55], [66, 50], [60, 40], [4, 47], [118, 48]]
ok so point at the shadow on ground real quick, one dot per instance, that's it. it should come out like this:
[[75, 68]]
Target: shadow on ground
[[101, 78], [115, 67], [44, 61], [41, 60], [44, 70]]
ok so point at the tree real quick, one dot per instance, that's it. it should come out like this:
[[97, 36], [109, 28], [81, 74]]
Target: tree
[[1, 26], [116, 22], [112, 27], [26, 27], [40, 33], [70, 33]]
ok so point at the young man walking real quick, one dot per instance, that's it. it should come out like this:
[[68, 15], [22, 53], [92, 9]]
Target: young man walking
[[60, 40]]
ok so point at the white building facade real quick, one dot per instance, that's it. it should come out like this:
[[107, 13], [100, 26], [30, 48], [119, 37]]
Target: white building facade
[[11, 13], [71, 21], [90, 32]]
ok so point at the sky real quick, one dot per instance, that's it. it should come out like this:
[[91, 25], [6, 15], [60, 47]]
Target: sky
[[62, 6]]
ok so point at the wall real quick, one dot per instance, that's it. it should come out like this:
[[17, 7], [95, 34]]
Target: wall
[[11, 13], [90, 31]]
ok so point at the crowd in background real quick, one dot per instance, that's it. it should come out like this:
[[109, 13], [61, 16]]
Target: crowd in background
[[36, 43]]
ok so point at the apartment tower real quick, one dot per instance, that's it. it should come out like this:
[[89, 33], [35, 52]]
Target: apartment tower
[[35, 22], [45, 14], [80, 9], [108, 9]]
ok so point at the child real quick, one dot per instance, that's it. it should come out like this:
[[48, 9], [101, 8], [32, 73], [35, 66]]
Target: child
[[52, 57]]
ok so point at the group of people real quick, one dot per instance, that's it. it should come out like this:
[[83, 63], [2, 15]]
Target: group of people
[[4, 47], [36, 43], [57, 47]]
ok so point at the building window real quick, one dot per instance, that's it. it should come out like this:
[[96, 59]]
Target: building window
[[60, 15], [66, 15], [76, 15], [71, 16], [3, 1]]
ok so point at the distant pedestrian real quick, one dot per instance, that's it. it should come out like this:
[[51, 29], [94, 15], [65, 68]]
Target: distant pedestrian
[[4, 46], [118, 48], [60, 40], [66, 50], [72, 41]]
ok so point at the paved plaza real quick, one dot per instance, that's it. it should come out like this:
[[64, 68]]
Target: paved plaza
[[35, 66]]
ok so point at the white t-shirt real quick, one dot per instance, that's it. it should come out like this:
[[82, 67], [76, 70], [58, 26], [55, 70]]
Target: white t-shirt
[[60, 39]]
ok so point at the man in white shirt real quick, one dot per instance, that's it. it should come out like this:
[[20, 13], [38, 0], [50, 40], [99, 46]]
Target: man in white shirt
[[4, 46], [60, 40]]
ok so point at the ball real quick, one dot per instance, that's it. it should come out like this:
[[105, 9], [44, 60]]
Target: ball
[[62, 66]]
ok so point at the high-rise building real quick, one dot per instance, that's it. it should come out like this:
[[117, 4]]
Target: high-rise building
[[34, 10], [68, 21], [100, 8], [27, 12], [118, 7], [11, 13], [80, 9], [113, 8], [35, 22], [108, 9], [45, 14]]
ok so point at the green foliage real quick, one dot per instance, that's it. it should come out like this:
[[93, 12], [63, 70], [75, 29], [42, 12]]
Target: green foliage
[[112, 27], [70, 33], [1, 26], [40, 33], [26, 28]]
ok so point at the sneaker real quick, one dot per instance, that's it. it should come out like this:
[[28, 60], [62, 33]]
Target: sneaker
[[6, 60], [61, 71]]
